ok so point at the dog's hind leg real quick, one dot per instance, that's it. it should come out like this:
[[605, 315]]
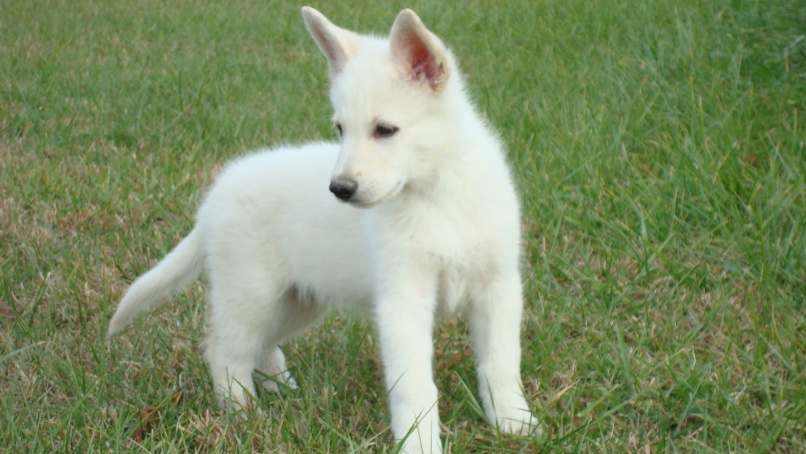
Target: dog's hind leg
[[242, 309], [294, 314], [494, 321]]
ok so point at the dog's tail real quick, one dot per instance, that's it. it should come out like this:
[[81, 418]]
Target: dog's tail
[[180, 268]]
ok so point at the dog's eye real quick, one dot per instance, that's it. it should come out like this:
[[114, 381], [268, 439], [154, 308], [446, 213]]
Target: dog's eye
[[338, 128], [384, 131]]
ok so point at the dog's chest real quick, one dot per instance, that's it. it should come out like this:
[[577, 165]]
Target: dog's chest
[[453, 292], [461, 276], [460, 245]]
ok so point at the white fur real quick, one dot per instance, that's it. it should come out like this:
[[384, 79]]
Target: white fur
[[431, 231]]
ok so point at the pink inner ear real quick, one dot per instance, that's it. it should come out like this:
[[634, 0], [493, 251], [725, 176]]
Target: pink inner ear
[[422, 65]]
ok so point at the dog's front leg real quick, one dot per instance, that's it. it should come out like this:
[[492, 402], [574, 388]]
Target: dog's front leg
[[405, 317], [494, 321]]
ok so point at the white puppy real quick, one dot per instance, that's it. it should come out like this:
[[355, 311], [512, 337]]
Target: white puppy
[[421, 223]]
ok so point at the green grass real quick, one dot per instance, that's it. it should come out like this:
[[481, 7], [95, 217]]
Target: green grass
[[661, 155]]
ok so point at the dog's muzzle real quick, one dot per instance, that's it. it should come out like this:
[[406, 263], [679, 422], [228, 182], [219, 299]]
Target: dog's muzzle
[[343, 187]]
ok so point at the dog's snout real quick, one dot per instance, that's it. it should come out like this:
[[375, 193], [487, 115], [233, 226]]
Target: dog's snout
[[344, 188]]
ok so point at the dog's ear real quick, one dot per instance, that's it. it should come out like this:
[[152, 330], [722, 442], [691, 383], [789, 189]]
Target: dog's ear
[[418, 52], [337, 44]]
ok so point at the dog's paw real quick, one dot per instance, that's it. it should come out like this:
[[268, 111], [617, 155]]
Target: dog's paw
[[273, 384], [518, 422], [290, 382], [414, 446]]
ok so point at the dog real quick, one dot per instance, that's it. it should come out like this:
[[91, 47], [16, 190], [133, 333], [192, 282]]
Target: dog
[[421, 223]]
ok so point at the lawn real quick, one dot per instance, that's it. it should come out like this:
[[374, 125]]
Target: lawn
[[659, 148]]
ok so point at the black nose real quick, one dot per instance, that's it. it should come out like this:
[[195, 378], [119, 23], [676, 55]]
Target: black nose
[[343, 188]]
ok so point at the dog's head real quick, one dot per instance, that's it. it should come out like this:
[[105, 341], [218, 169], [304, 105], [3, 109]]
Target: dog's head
[[389, 101]]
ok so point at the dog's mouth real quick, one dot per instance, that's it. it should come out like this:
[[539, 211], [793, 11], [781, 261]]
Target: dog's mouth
[[396, 189]]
